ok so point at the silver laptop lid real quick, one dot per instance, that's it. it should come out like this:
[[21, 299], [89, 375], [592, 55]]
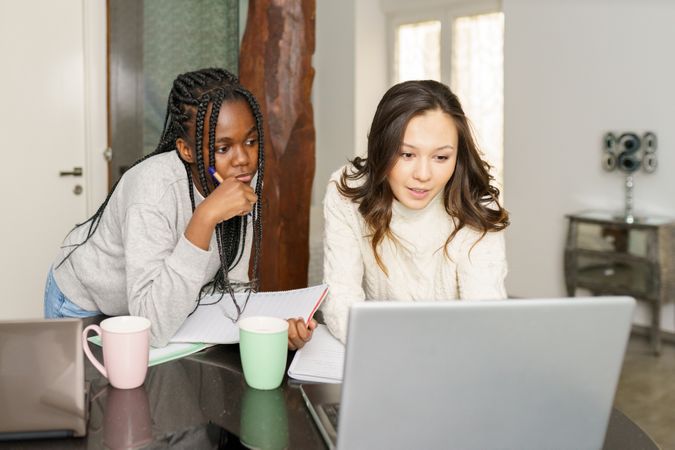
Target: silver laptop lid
[[42, 389], [516, 374]]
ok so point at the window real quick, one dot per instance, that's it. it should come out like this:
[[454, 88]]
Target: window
[[464, 49], [477, 77], [418, 51]]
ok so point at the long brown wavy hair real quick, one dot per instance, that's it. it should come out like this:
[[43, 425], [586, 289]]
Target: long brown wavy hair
[[469, 198]]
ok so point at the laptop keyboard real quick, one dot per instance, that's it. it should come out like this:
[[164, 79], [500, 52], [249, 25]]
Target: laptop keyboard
[[332, 411]]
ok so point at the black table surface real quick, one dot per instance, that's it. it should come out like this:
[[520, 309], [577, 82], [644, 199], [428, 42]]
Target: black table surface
[[202, 402]]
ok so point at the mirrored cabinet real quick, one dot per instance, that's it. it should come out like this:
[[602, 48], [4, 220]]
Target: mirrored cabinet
[[607, 256]]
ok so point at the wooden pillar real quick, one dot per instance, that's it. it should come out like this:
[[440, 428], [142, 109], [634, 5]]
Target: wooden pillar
[[275, 63]]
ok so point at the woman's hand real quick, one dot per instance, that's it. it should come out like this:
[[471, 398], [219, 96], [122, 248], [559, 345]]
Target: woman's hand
[[231, 198], [299, 333]]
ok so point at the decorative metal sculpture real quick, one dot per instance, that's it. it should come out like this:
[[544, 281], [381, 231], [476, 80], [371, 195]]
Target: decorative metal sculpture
[[628, 153]]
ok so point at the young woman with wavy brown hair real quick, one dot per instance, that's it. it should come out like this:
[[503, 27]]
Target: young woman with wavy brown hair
[[418, 218]]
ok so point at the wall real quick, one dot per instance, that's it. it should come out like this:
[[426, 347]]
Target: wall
[[333, 94], [573, 71], [351, 77], [371, 68]]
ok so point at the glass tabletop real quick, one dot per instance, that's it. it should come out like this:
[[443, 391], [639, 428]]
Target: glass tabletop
[[202, 401]]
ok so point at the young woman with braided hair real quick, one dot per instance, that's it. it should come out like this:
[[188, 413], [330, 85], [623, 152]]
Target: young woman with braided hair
[[418, 219], [168, 234]]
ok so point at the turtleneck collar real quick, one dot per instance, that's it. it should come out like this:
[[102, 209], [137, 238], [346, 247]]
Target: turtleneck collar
[[405, 213]]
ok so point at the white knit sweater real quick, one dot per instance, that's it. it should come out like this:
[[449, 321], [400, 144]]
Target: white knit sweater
[[418, 267]]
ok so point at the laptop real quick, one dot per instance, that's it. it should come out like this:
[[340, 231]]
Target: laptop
[[42, 387], [515, 374]]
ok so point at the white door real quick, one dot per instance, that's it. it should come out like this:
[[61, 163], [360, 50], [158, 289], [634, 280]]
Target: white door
[[45, 124]]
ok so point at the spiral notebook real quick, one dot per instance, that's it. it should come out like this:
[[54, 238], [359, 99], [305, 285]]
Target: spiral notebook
[[211, 323], [321, 359]]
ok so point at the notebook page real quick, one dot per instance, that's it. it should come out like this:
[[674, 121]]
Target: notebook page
[[286, 304], [211, 323], [321, 359]]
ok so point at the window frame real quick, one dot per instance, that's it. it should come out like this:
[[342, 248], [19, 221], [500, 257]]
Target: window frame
[[399, 12]]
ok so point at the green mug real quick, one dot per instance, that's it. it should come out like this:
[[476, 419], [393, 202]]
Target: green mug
[[263, 346]]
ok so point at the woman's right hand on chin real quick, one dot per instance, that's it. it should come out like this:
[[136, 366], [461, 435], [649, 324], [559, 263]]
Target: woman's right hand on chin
[[231, 198]]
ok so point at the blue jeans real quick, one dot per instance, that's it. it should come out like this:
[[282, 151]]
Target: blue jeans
[[57, 305]]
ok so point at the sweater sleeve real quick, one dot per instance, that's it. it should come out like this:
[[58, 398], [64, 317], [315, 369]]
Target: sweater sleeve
[[342, 261], [481, 266], [164, 270]]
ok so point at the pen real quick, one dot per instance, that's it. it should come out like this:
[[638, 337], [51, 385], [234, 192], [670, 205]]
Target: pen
[[216, 177]]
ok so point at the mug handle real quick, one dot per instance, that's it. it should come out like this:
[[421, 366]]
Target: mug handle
[[87, 350]]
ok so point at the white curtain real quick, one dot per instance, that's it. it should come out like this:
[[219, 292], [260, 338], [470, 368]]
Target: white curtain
[[418, 51], [477, 78]]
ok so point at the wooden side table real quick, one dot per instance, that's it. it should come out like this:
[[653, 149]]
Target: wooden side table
[[608, 256]]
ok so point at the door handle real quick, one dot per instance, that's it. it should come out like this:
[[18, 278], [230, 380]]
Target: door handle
[[77, 172]]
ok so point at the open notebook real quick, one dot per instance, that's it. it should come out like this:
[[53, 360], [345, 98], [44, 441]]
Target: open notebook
[[321, 359], [212, 324]]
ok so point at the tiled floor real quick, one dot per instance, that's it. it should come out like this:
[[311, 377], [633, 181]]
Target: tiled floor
[[646, 391]]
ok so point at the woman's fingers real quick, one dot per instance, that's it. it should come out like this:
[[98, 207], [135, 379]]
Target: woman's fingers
[[298, 333]]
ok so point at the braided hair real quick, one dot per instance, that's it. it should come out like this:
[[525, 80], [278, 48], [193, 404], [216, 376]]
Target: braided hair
[[189, 99]]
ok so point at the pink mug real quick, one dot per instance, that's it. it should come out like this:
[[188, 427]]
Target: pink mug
[[126, 346]]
